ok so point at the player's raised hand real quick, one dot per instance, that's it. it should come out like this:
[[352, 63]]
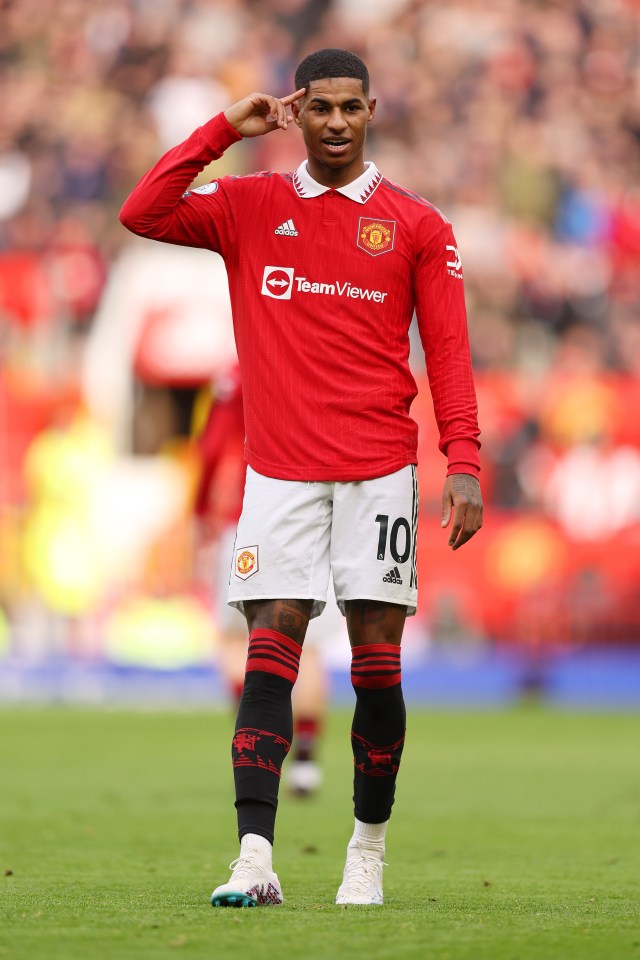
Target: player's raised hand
[[462, 498], [260, 113]]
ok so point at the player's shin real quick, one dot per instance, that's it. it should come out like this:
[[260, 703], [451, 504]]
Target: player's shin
[[264, 730], [378, 731]]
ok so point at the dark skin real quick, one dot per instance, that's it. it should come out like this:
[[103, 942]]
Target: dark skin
[[462, 501], [333, 115], [368, 621]]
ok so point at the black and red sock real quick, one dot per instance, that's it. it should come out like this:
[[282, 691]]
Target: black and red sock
[[378, 731], [264, 729]]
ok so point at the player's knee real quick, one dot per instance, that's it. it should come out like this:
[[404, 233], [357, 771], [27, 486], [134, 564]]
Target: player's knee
[[288, 617], [374, 621]]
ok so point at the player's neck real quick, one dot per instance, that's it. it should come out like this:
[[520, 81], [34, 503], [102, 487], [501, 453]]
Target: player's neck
[[334, 178]]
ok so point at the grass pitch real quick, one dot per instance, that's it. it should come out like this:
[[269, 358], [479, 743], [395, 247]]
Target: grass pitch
[[515, 836]]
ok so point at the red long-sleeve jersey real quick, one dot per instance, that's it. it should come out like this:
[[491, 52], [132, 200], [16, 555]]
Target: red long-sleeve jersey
[[323, 285]]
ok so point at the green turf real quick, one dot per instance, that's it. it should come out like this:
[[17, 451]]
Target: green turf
[[515, 836]]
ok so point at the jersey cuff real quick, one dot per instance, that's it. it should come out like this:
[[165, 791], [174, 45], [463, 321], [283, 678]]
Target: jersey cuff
[[219, 133], [463, 457]]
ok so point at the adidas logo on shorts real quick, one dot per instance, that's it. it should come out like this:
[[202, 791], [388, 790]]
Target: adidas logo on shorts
[[393, 576]]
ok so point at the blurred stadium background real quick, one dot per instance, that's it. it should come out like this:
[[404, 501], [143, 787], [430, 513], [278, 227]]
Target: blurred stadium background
[[521, 120]]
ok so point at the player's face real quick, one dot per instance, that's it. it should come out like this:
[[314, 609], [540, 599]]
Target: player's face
[[333, 116]]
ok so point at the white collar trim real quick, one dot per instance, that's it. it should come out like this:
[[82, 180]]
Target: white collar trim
[[359, 190]]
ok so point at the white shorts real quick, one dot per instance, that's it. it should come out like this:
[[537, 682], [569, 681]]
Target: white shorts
[[327, 634], [292, 534]]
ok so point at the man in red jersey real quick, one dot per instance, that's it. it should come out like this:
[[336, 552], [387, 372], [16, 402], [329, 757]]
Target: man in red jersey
[[326, 267]]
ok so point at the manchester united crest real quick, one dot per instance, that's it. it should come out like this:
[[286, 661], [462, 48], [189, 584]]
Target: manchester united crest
[[246, 562], [376, 236]]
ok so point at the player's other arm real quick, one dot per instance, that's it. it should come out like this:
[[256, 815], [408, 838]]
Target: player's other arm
[[442, 321], [158, 208]]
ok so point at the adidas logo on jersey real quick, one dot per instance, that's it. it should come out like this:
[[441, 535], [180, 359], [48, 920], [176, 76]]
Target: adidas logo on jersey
[[393, 576], [286, 229]]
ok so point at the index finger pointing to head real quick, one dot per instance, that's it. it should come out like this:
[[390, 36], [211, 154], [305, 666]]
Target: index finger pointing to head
[[294, 96]]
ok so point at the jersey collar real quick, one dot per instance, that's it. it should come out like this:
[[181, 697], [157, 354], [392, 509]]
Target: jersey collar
[[359, 190]]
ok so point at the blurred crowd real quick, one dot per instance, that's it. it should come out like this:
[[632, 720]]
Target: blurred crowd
[[520, 119]]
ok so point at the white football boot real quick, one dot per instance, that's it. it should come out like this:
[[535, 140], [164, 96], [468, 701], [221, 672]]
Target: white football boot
[[252, 882], [362, 878]]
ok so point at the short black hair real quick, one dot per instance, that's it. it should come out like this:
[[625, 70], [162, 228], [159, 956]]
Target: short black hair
[[331, 62]]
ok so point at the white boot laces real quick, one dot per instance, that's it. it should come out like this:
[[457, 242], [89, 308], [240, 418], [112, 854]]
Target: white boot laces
[[246, 867], [363, 869]]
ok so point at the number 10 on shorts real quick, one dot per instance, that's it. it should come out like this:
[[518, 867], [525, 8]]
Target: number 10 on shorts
[[399, 538]]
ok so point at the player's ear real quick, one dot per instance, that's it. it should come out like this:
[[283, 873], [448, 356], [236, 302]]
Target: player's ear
[[295, 110], [371, 105]]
